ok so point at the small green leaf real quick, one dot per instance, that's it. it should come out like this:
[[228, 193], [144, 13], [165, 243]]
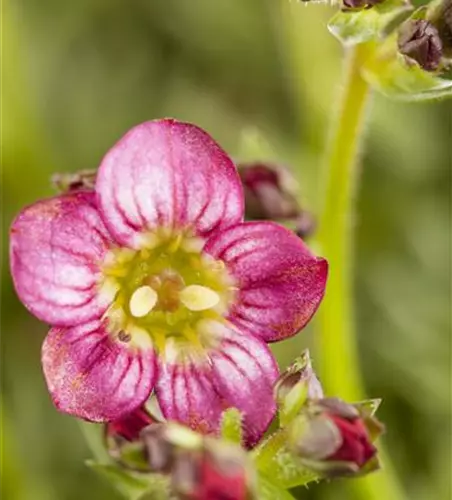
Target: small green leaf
[[269, 491], [231, 425], [293, 403], [390, 73], [352, 27], [127, 483]]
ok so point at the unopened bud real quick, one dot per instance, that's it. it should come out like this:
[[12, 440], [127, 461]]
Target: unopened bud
[[83, 179], [299, 372], [296, 387], [305, 225], [441, 16], [419, 40], [334, 438], [267, 195], [360, 4]]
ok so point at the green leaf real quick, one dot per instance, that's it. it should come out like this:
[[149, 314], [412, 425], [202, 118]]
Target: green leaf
[[231, 425], [127, 483], [352, 27], [273, 459], [390, 73], [267, 490]]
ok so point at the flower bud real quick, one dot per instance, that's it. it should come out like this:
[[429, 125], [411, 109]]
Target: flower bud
[[267, 195], [83, 179], [359, 4], [122, 438], [224, 473], [335, 438], [419, 40], [295, 387], [441, 16], [199, 467], [299, 372], [130, 426], [305, 225]]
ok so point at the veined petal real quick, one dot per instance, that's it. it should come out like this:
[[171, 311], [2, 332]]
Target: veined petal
[[239, 372], [165, 173], [280, 282], [91, 375], [55, 248]]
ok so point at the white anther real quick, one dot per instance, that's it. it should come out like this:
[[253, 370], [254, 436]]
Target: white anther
[[142, 301], [199, 298]]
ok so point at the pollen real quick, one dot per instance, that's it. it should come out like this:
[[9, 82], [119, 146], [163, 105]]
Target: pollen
[[199, 298], [142, 302]]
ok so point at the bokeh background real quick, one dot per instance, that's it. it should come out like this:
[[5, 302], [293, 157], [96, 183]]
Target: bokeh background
[[77, 75]]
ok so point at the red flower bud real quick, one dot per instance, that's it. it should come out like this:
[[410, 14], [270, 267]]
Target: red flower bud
[[223, 474], [130, 426], [199, 467], [335, 438], [266, 193], [356, 446]]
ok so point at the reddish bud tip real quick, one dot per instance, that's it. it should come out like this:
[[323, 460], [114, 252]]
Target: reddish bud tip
[[419, 40]]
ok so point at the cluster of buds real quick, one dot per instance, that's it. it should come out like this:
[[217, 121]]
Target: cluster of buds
[[271, 194], [327, 435], [426, 38], [199, 467], [196, 467]]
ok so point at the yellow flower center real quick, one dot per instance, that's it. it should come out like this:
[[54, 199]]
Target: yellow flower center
[[162, 293]]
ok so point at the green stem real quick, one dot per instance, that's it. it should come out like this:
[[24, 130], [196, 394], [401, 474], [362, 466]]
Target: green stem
[[339, 364], [338, 357]]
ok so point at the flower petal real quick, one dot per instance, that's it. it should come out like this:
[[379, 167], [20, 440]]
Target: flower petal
[[239, 372], [171, 174], [93, 376], [55, 247], [280, 282]]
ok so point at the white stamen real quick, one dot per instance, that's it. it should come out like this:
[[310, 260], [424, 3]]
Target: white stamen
[[142, 301], [199, 298]]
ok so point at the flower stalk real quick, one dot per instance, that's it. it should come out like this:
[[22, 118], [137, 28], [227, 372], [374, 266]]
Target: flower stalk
[[339, 362], [338, 357]]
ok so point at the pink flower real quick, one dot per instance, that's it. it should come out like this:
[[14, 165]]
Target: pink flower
[[153, 282]]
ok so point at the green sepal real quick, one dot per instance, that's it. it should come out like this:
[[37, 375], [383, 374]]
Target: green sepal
[[390, 73], [132, 455], [273, 459], [293, 403], [267, 490], [131, 485], [368, 406], [231, 425], [357, 26]]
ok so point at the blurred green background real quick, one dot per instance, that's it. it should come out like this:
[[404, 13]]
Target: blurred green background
[[77, 75]]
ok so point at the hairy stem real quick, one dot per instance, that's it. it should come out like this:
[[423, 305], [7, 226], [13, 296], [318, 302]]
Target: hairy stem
[[337, 341], [339, 365]]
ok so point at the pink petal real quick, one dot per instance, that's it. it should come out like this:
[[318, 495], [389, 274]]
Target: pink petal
[[280, 282], [55, 247], [167, 173], [92, 376], [239, 373]]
